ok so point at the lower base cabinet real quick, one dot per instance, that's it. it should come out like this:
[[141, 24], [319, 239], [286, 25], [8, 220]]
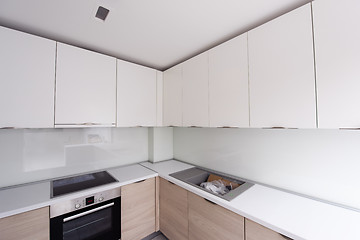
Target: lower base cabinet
[[138, 210], [173, 211], [210, 221], [255, 231], [26, 226]]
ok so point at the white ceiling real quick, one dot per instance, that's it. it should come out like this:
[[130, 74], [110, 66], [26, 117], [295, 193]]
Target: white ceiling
[[155, 33]]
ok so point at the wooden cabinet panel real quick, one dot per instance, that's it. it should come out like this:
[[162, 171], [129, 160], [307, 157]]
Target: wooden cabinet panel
[[27, 83], [26, 226], [281, 72], [136, 95], [138, 210], [85, 87], [228, 84], [196, 91], [173, 87], [173, 211], [254, 231], [337, 62], [210, 221]]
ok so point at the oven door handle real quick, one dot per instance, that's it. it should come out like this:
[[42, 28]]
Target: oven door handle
[[87, 212]]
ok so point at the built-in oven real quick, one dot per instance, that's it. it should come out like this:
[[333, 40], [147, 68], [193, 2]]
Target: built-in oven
[[92, 217]]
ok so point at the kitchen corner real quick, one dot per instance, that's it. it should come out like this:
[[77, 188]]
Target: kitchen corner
[[286, 213]]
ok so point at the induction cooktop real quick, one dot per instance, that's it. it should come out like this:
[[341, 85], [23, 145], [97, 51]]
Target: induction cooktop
[[77, 183]]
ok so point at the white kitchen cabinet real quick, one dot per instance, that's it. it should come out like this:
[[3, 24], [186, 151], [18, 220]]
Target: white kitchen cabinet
[[27, 73], [172, 96], [281, 72], [195, 76], [136, 95], [228, 84], [159, 98], [85, 88], [337, 50]]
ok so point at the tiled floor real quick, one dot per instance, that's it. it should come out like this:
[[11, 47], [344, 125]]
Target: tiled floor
[[156, 236], [160, 237]]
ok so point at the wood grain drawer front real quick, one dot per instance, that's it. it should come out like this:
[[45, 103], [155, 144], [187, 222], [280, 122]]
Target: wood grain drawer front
[[138, 209], [26, 226], [173, 211], [255, 231], [210, 221]]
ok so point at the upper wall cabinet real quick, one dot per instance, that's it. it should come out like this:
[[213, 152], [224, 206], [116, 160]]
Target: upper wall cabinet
[[172, 97], [228, 84], [85, 88], [195, 79], [281, 72], [337, 48], [27, 73], [159, 98], [136, 95]]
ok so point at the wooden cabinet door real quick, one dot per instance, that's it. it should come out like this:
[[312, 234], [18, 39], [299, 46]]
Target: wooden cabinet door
[[209, 221], [172, 100], [254, 231], [173, 211], [138, 210], [27, 73], [196, 91], [337, 51], [281, 72], [136, 95], [85, 87], [26, 226], [228, 84]]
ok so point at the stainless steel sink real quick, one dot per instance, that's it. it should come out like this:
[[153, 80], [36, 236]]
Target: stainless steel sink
[[195, 176]]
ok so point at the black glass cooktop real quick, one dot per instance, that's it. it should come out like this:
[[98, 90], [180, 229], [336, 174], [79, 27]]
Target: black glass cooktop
[[78, 183]]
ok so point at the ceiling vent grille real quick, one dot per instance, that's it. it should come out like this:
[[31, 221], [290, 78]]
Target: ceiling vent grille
[[102, 13]]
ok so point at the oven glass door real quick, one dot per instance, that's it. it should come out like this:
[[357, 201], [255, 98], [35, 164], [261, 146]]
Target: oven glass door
[[101, 221]]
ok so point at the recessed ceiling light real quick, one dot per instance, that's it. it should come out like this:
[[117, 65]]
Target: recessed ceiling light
[[102, 13]]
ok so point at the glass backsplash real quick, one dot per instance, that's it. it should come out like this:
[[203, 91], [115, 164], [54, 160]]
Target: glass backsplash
[[28, 155]]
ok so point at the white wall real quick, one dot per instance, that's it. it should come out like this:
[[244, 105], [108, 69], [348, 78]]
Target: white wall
[[320, 163], [160, 144], [28, 155]]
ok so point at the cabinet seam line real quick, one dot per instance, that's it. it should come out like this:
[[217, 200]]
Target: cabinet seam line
[[56, 53], [248, 66], [315, 72]]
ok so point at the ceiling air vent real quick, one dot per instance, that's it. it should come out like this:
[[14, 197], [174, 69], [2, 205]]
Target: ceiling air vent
[[102, 13]]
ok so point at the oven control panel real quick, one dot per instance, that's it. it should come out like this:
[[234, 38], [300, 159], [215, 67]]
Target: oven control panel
[[70, 205]]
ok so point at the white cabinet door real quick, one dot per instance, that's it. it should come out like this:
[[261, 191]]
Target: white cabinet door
[[172, 100], [85, 88], [136, 95], [196, 91], [159, 98], [337, 48], [228, 84], [281, 72], [27, 73]]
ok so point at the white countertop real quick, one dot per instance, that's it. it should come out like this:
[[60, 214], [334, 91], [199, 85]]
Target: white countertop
[[289, 214], [32, 196]]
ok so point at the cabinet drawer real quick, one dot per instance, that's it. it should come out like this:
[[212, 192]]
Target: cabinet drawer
[[138, 209], [254, 231], [208, 220], [26, 226], [173, 211]]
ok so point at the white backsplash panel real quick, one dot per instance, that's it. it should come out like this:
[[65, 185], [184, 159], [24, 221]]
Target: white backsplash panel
[[323, 164], [28, 155]]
